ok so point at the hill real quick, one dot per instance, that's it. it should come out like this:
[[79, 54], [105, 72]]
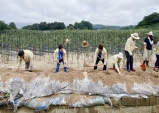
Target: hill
[[100, 26], [149, 22]]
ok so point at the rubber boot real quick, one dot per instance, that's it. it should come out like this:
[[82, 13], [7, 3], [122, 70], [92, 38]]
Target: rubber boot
[[57, 67], [65, 69], [147, 63], [144, 61], [95, 67], [105, 67], [131, 66]]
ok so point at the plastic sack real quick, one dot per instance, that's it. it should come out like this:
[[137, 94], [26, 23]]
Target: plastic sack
[[60, 100], [98, 100], [79, 104]]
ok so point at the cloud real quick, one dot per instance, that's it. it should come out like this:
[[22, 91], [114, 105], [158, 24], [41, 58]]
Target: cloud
[[107, 12]]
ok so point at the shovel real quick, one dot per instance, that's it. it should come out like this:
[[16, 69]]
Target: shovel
[[142, 66], [86, 65]]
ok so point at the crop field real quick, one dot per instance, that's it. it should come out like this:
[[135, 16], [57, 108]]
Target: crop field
[[47, 41]]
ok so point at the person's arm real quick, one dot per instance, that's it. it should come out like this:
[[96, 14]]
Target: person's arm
[[116, 66], [19, 62], [65, 56], [150, 40], [95, 56], [55, 55], [31, 63], [120, 65]]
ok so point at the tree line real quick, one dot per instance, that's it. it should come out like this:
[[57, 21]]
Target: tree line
[[149, 22]]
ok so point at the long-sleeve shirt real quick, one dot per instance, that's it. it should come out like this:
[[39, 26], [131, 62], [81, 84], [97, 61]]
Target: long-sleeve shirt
[[149, 42], [28, 57], [118, 63], [103, 55], [130, 45], [64, 55]]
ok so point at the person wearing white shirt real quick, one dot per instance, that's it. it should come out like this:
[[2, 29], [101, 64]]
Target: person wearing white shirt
[[60, 57], [100, 55], [116, 62], [27, 56], [129, 47]]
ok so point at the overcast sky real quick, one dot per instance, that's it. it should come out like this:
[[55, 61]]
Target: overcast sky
[[106, 12]]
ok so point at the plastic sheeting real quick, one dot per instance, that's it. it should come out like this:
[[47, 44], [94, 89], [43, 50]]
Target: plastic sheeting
[[41, 87]]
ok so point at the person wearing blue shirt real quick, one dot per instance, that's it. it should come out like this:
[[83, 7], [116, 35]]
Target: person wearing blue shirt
[[60, 57]]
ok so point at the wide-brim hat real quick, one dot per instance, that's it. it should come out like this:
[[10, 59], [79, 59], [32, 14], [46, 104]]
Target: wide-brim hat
[[120, 55], [85, 44], [67, 41], [135, 36], [150, 33]]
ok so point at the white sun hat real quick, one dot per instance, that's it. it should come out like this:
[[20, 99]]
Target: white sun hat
[[135, 36], [150, 33], [67, 41], [120, 55]]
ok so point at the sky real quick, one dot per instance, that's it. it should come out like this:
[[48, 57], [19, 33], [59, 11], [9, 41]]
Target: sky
[[106, 12]]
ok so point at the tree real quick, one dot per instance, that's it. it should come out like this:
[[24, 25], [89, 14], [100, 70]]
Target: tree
[[87, 24], [3, 26], [70, 27], [12, 25], [58, 26], [149, 21], [83, 25]]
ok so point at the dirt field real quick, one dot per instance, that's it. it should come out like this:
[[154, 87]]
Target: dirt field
[[45, 66]]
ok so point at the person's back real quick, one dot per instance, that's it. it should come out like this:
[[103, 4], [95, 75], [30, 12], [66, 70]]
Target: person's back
[[27, 56]]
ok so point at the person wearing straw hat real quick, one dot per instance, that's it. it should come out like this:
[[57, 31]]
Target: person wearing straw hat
[[27, 56], [60, 57], [100, 55], [85, 44], [148, 42], [116, 62], [129, 47]]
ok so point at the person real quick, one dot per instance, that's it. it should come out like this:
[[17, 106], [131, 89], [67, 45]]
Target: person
[[60, 57], [116, 62], [27, 56], [100, 55], [148, 42], [157, 58], [129, 47]]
